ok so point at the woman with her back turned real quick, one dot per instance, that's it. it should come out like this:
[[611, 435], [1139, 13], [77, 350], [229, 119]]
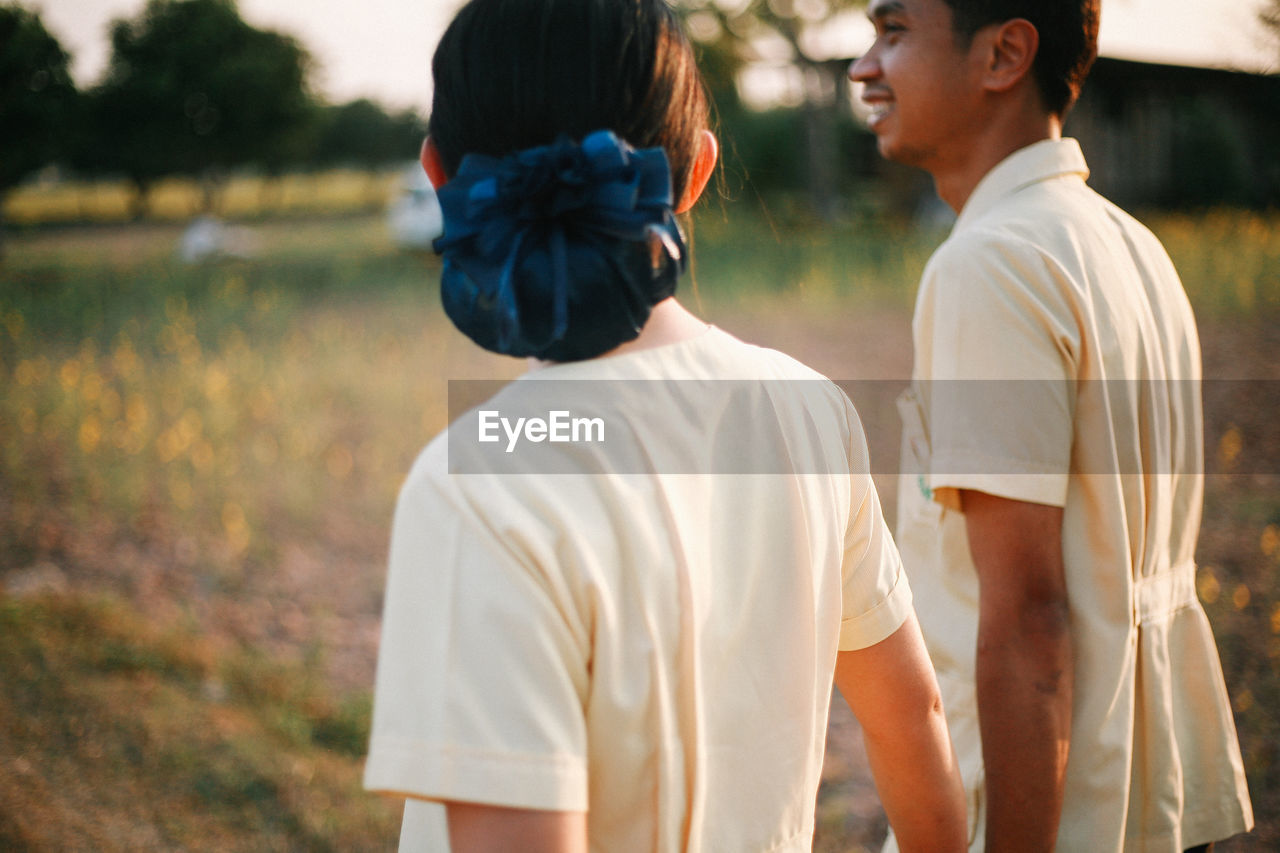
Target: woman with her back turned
[[629, 650]]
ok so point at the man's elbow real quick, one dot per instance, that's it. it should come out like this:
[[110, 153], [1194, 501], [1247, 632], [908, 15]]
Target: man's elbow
[[1042, 613], [1048, 615], [1035, 641]]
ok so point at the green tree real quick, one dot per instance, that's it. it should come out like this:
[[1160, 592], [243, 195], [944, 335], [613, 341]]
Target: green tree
[[36, 96], [192, 89], [362, 133], [745, 28]]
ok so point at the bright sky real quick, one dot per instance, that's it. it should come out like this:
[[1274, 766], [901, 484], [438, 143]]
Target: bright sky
[[362, 48], [1179, 32], [382, 48]]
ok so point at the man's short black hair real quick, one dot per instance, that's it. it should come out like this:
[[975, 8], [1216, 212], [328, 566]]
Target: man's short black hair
[[1068, 39]]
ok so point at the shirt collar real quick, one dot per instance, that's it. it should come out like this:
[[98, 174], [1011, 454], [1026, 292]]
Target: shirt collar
[[1040, 161]]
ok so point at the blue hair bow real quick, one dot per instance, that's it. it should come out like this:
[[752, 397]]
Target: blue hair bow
[[559, 251]]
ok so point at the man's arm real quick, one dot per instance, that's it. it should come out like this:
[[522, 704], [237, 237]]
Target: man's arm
[[893, 692], [479, 828], [1024, 666]]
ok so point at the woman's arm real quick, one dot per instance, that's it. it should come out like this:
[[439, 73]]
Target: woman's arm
[[479, 828], [894, 694]]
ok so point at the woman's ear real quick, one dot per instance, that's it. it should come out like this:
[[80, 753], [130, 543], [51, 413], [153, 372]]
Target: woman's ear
[[431, 163], [704, 163]]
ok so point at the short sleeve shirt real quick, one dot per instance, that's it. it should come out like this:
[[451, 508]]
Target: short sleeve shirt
[[631, 635], [1057, 362]]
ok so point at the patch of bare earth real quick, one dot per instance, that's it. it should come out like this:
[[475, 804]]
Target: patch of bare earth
[[320, 597]]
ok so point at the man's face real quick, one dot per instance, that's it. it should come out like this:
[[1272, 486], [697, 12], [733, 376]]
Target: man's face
[[919, 81]]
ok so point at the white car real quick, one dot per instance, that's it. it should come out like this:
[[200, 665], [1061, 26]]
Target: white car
[[414, 214]]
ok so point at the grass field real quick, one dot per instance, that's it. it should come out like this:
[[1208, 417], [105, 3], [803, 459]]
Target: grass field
[[177, 199], [198, 465]]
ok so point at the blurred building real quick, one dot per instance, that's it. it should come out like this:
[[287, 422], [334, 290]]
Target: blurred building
[[1176, 135], [1181, 109]]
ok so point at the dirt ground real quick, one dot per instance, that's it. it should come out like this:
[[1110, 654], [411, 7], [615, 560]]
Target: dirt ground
[[322, 591]]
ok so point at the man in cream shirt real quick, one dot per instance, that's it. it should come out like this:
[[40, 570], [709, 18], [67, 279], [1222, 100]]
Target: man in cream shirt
[[1049, 510]]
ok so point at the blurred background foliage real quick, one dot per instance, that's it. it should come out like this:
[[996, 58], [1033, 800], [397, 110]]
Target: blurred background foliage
[[198, 461], [192, 95], [190, 91], [198, 464]]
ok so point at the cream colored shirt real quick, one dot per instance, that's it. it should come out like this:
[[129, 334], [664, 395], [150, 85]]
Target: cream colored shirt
[[1073, 317], [653, 638]]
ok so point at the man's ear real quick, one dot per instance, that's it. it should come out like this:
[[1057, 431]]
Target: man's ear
[[704, 163], [1011, 53], [431, 163]]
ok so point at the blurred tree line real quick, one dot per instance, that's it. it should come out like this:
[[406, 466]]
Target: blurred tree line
[[190, 89]]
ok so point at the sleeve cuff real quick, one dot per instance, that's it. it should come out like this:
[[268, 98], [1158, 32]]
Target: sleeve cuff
[[880, 621], [435, 772], [1049, 489]]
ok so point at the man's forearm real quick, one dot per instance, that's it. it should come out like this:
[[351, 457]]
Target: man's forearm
[[1024, 686]]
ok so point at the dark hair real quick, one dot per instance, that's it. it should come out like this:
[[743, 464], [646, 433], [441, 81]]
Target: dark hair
[[515, 74], [1068, 39]]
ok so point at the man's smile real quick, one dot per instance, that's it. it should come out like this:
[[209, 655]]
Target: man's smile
[[881, 104]]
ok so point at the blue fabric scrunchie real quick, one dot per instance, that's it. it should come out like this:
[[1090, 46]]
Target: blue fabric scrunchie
[[560, 251]]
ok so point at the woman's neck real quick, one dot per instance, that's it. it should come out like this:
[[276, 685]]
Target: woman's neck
[[669, 323]]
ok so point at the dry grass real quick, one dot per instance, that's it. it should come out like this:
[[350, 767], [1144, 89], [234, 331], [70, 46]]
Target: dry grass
[[197, 470], [177, 199]]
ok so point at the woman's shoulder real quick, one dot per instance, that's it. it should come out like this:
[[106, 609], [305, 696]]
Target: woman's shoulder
[[734, 358]]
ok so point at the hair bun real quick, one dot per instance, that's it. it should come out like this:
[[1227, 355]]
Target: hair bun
[[559, 251]]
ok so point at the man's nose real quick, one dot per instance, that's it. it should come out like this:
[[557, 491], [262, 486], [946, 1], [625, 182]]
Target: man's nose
[[864, 68]]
